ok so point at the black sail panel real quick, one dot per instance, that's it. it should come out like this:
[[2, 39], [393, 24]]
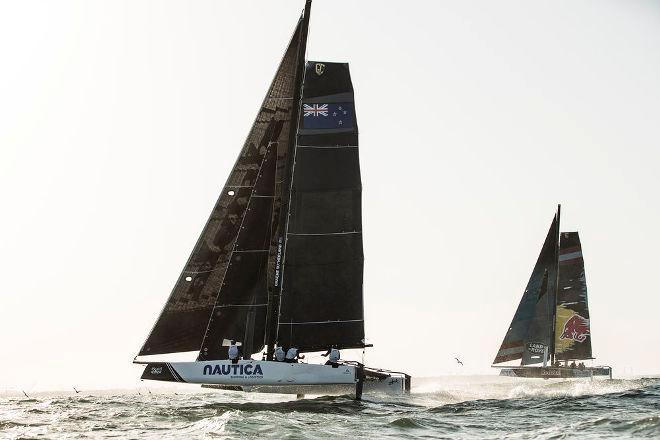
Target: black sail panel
[[240, 310], [198, 296], [321, 300], [573, 331], [530, 332]]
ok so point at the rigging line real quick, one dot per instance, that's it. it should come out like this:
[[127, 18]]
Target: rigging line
[[321, 322], [327, 146], [264, 197], [197, 272], [240, 227], [301, 65], [240, 305], [254, 250], [326, 233]]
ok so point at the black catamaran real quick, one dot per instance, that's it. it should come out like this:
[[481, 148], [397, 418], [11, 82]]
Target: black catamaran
[[551, 323], [280, 259]]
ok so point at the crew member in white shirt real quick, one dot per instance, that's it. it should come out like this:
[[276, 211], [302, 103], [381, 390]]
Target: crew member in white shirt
[[233, 352], [333, 356], [292, 356]]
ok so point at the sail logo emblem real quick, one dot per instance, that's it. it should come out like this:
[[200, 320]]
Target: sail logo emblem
[[535, 348], [233, 369], [335, 115], [576, 328], [315, 109], [156, 370], [319, 68]]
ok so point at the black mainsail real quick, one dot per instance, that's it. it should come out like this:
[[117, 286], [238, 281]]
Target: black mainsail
[[223, 290], [573, 332], [321, 287]]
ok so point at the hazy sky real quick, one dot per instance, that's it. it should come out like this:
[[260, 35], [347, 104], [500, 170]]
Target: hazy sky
[[120, 120]]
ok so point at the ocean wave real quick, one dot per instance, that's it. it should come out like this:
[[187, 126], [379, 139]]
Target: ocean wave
[[465, 408]]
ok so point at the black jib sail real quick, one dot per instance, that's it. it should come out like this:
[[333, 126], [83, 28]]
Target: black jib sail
[[321, 290], [572, 329], [222, 293], [530, 336]]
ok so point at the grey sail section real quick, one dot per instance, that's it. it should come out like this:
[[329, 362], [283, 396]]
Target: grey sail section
[[573, 329], [222, 288], [530, 333], [321, 297]]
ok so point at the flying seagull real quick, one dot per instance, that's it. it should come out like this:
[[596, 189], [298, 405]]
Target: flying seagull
[[459, 361]]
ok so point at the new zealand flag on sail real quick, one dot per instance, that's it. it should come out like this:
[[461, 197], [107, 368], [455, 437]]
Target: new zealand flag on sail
[[328, 116]]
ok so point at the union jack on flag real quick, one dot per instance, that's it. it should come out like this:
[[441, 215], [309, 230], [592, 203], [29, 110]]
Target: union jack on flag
[[315, 109]]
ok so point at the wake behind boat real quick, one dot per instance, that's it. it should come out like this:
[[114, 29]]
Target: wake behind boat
[[551, 323], [280, 260]]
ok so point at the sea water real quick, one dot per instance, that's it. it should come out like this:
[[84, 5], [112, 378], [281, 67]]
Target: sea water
[[450, 407]]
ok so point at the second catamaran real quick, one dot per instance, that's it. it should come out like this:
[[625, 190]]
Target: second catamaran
[[551, 323], [280, 260]]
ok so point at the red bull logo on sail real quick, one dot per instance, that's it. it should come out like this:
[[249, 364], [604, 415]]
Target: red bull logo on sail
[[576, 328]]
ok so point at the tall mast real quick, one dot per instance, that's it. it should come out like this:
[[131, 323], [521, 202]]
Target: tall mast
[[554, 307], [274, 303]]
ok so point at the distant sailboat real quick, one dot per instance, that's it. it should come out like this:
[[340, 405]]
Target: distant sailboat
[[280, 260], [551, 323]]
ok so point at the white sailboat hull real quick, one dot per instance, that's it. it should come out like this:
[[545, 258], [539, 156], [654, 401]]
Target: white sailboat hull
[[556, 372], [250, 373], [279, 377]]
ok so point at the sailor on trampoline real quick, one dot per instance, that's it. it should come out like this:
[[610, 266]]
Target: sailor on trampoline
[[280, 355], [333, 356], [292, 355], [233, 352]]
